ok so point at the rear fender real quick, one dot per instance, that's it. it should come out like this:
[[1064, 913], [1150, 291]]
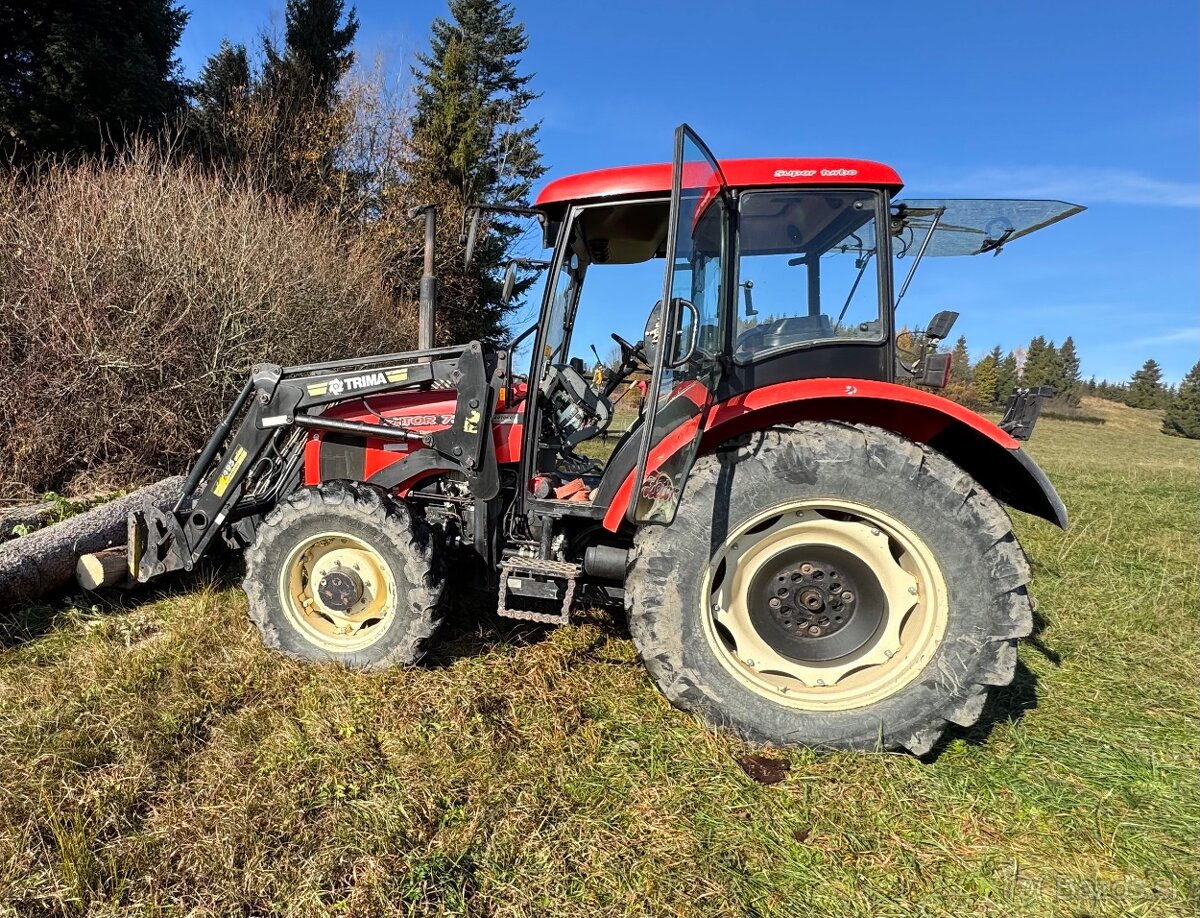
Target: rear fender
[[975, 444]]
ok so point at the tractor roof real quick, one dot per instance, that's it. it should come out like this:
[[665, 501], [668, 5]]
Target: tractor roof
[[739, 173]]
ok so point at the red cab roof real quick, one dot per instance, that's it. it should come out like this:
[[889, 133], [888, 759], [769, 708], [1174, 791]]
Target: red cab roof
[[739, 173]]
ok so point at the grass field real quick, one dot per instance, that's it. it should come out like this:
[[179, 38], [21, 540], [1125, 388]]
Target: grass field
[[156, 760]]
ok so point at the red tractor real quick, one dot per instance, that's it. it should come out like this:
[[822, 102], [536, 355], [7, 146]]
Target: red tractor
[[809, 551]]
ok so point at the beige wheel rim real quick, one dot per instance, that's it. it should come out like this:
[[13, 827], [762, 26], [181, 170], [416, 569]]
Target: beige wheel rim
[[338, 592], [777, 625]]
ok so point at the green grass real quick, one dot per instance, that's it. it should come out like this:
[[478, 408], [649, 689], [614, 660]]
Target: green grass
[[156, 760]]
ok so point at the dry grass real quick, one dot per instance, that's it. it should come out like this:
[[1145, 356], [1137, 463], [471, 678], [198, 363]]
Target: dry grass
[[158, 761], [136, 295]]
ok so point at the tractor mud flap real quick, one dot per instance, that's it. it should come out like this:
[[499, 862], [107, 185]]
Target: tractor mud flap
[[155, 544]]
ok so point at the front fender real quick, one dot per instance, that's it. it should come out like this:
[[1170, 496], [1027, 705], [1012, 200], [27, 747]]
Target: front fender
[[975, 444]]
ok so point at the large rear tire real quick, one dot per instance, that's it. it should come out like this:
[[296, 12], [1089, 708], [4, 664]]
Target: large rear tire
[[343, 572], [830, 585]]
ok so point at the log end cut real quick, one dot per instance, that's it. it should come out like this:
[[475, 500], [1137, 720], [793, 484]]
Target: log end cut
[[101, 569]]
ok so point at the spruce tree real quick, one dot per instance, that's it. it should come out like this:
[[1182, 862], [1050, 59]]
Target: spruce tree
[[1007, 378], [1182, 417], [296, 126], [472, 144], [1146, 388], [986, 379], [316, 53], [83, 77], [1069, 383], [960, 362], [219, 96], [1041, 363]]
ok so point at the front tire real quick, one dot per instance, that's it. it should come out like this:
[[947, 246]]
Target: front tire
[[734, 608], [343, 572]]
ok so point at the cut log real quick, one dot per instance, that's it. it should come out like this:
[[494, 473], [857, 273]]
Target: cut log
[[102, 569], [44, 561], [27, 516]]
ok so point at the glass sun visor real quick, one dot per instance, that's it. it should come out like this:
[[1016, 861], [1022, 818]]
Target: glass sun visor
[[970, 227]]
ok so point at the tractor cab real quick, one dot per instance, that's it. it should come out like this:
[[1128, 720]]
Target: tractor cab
[[772, 271]]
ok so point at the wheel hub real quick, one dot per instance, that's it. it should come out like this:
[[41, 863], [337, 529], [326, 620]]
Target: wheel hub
[[824, 604], [340, 590], [816, 603]]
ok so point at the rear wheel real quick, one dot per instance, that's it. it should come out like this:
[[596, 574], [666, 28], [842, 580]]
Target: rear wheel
[[833, 586], [342, 572]]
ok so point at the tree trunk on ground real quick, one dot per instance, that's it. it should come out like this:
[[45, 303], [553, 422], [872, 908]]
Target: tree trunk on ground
[[30, 515], [44, 561]]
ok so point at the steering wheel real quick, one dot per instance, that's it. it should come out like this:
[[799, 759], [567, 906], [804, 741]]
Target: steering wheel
[[629, 352], [575, 410]]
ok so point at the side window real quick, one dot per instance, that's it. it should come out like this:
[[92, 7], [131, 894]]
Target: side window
[[698, 277]]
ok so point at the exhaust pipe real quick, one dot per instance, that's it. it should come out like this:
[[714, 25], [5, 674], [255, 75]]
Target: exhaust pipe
[[428, 300]]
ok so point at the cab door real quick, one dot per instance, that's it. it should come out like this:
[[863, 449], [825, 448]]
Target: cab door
[[686, 330]]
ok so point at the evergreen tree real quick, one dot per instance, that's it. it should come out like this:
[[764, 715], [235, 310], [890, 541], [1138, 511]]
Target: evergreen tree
[[470, 104], [1041, 363], [986, 379], [1007, 378], [316, 54], [960, 362], [1182, 417], [220, 95], [1069, 384], [81, 77], [295, 125], [472, 144], [1146, 388]]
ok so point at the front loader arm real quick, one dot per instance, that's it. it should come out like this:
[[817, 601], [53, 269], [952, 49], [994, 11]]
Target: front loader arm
[[244, 472]]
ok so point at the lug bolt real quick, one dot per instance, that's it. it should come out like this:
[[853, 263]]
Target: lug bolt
[[806, 569], [774, 602], [847, 596], [813, 629]]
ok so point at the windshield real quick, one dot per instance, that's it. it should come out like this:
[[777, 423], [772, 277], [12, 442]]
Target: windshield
[[808, 270]]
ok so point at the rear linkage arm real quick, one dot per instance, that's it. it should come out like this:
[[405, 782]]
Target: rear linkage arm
[[261, 460]]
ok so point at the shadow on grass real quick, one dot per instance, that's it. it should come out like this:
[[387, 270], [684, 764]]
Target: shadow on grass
[[1005, 704], [472, 628], [29, 623]]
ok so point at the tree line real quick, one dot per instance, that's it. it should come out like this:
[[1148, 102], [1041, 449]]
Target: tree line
[[89, 80], [988, 382]]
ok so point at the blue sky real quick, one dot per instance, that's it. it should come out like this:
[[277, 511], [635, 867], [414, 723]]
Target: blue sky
[[1094, 103]]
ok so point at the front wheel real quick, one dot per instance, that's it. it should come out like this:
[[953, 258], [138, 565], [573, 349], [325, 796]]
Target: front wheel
[[342, 572], [833, 586]]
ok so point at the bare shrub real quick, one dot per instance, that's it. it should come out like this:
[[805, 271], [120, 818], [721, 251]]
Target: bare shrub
[[134, 297]]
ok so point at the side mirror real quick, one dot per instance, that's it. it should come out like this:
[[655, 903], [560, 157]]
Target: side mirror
[[510, 282], [652, 334], [747, 287], [935, 371], [940, 325]]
